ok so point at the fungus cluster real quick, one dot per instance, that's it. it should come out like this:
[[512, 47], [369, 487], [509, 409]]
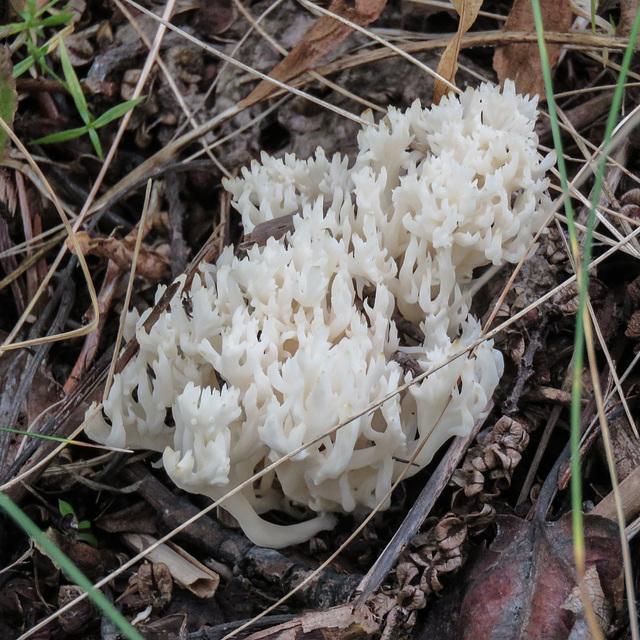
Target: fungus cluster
[[300, 333]]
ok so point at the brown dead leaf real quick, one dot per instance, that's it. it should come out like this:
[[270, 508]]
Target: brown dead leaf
[[518, 587], [18, 598], [152, 265], [317, 42], [448, 66], [151, 586], [628, 12], [94, 563], [521, 62], [79, 48], [214, 17], [601, 606]]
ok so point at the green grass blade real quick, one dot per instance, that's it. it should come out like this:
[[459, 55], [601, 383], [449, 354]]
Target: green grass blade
[[68, 567], [53, 21], [62, 136], [36, 435], [46, 7], [8, 95], [22, 66], [93, 134], [73, 85], [78, 443], [117, 112], [579, 343], [36, 54], [578, 355]]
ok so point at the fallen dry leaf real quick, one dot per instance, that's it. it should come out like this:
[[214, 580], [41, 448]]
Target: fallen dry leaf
[[317, 42], [601, 606], [518, 587], [521, 62], [151, 586], [628, 12], [152, 265], [448, 66]]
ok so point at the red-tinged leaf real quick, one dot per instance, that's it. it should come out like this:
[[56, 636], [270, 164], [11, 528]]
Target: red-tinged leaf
[[520, 61], [520, 587], [448, 66], [317, 42]]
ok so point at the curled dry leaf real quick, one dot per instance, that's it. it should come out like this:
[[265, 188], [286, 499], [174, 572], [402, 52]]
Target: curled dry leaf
[[448, 65], [521, 62], [566, 300], [631, 197], [601, 607], [214, 16], [186, 570], [602, 300], [634, 290], [633, 328], [79, 48], [628, 12], [151, 265], [517, 588], [151, 586]]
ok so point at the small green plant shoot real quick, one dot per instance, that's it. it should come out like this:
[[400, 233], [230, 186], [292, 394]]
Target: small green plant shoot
[[78, 529], [90, 123], [31, 29]]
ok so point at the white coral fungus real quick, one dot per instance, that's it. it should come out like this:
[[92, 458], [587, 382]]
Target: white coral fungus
[[296, 336]]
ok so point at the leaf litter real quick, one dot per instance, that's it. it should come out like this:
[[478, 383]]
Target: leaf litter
[[529, 560]]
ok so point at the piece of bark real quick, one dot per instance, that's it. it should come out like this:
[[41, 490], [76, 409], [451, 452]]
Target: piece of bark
[[177, 212], [410, 330], [21, 372], [221, 631], [408, 363], [186, 570], [630, 496], [581, 116]]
